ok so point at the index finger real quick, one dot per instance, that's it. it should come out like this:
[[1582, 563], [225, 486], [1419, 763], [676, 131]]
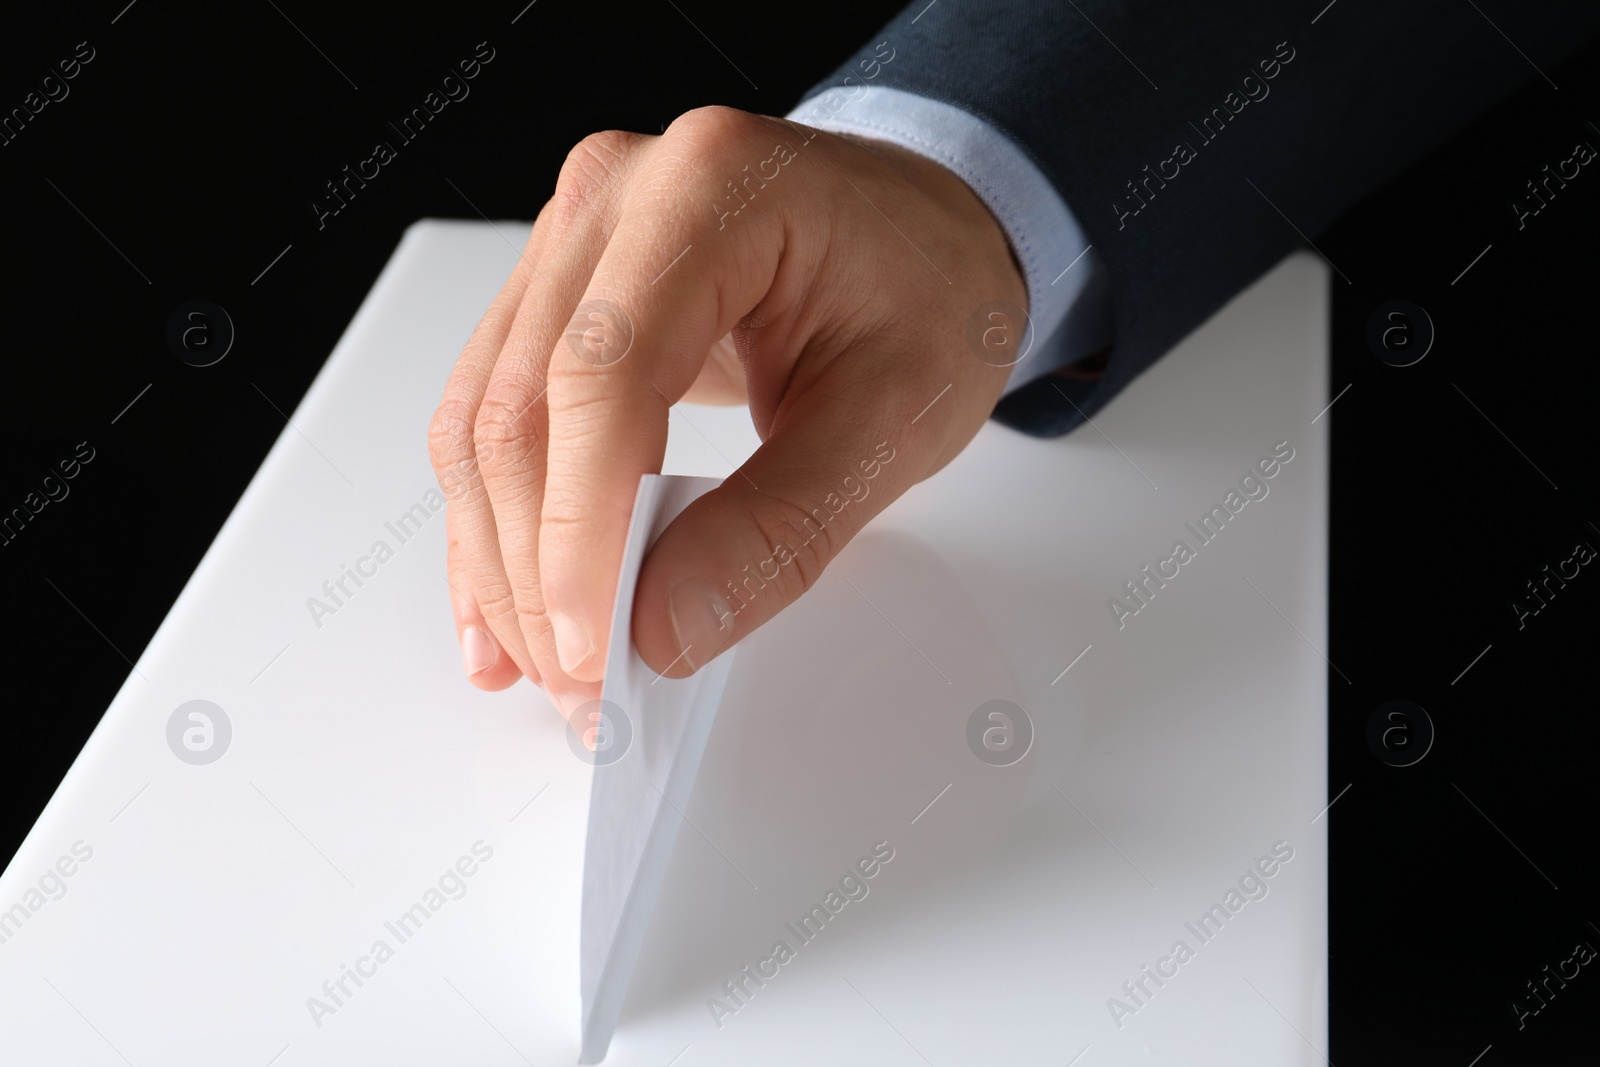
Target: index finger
[[667, 287]]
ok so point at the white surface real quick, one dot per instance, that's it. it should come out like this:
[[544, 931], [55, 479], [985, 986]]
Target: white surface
[[1188, 742]]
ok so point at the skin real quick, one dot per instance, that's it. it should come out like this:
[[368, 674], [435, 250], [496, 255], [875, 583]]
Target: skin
[[838, 303]]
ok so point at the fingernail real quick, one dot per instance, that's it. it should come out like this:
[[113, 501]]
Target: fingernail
[[701, 621], [574, 646], [478, 651]]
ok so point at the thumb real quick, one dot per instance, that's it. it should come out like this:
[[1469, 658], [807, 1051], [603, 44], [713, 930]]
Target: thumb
[[748, 549]]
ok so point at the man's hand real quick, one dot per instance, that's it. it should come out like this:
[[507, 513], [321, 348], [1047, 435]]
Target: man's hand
[[860, 297]]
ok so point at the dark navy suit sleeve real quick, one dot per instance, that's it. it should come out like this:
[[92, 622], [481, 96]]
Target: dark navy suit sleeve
[[1168, 127]]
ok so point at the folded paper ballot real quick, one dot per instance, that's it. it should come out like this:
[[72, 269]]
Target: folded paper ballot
[[647, 737]]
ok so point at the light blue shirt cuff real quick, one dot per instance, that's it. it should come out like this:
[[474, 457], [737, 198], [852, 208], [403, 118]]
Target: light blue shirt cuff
[[1068, 298]]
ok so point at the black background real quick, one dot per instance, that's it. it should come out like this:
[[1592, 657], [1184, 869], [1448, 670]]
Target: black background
[[195, 141]]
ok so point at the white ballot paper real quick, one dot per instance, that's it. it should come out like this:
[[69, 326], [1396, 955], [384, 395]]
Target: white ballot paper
[[648, 736]]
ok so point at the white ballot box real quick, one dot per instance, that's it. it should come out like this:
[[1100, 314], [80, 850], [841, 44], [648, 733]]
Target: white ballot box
[[1020, 782]]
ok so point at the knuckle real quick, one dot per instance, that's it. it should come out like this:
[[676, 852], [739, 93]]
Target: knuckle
[[498, 607], [716, 126], [533, 624], [450, 432], [497, 435], [802, 541], [578, 395], [450, 443], [518, 605], [587, 412], [592, 165]]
